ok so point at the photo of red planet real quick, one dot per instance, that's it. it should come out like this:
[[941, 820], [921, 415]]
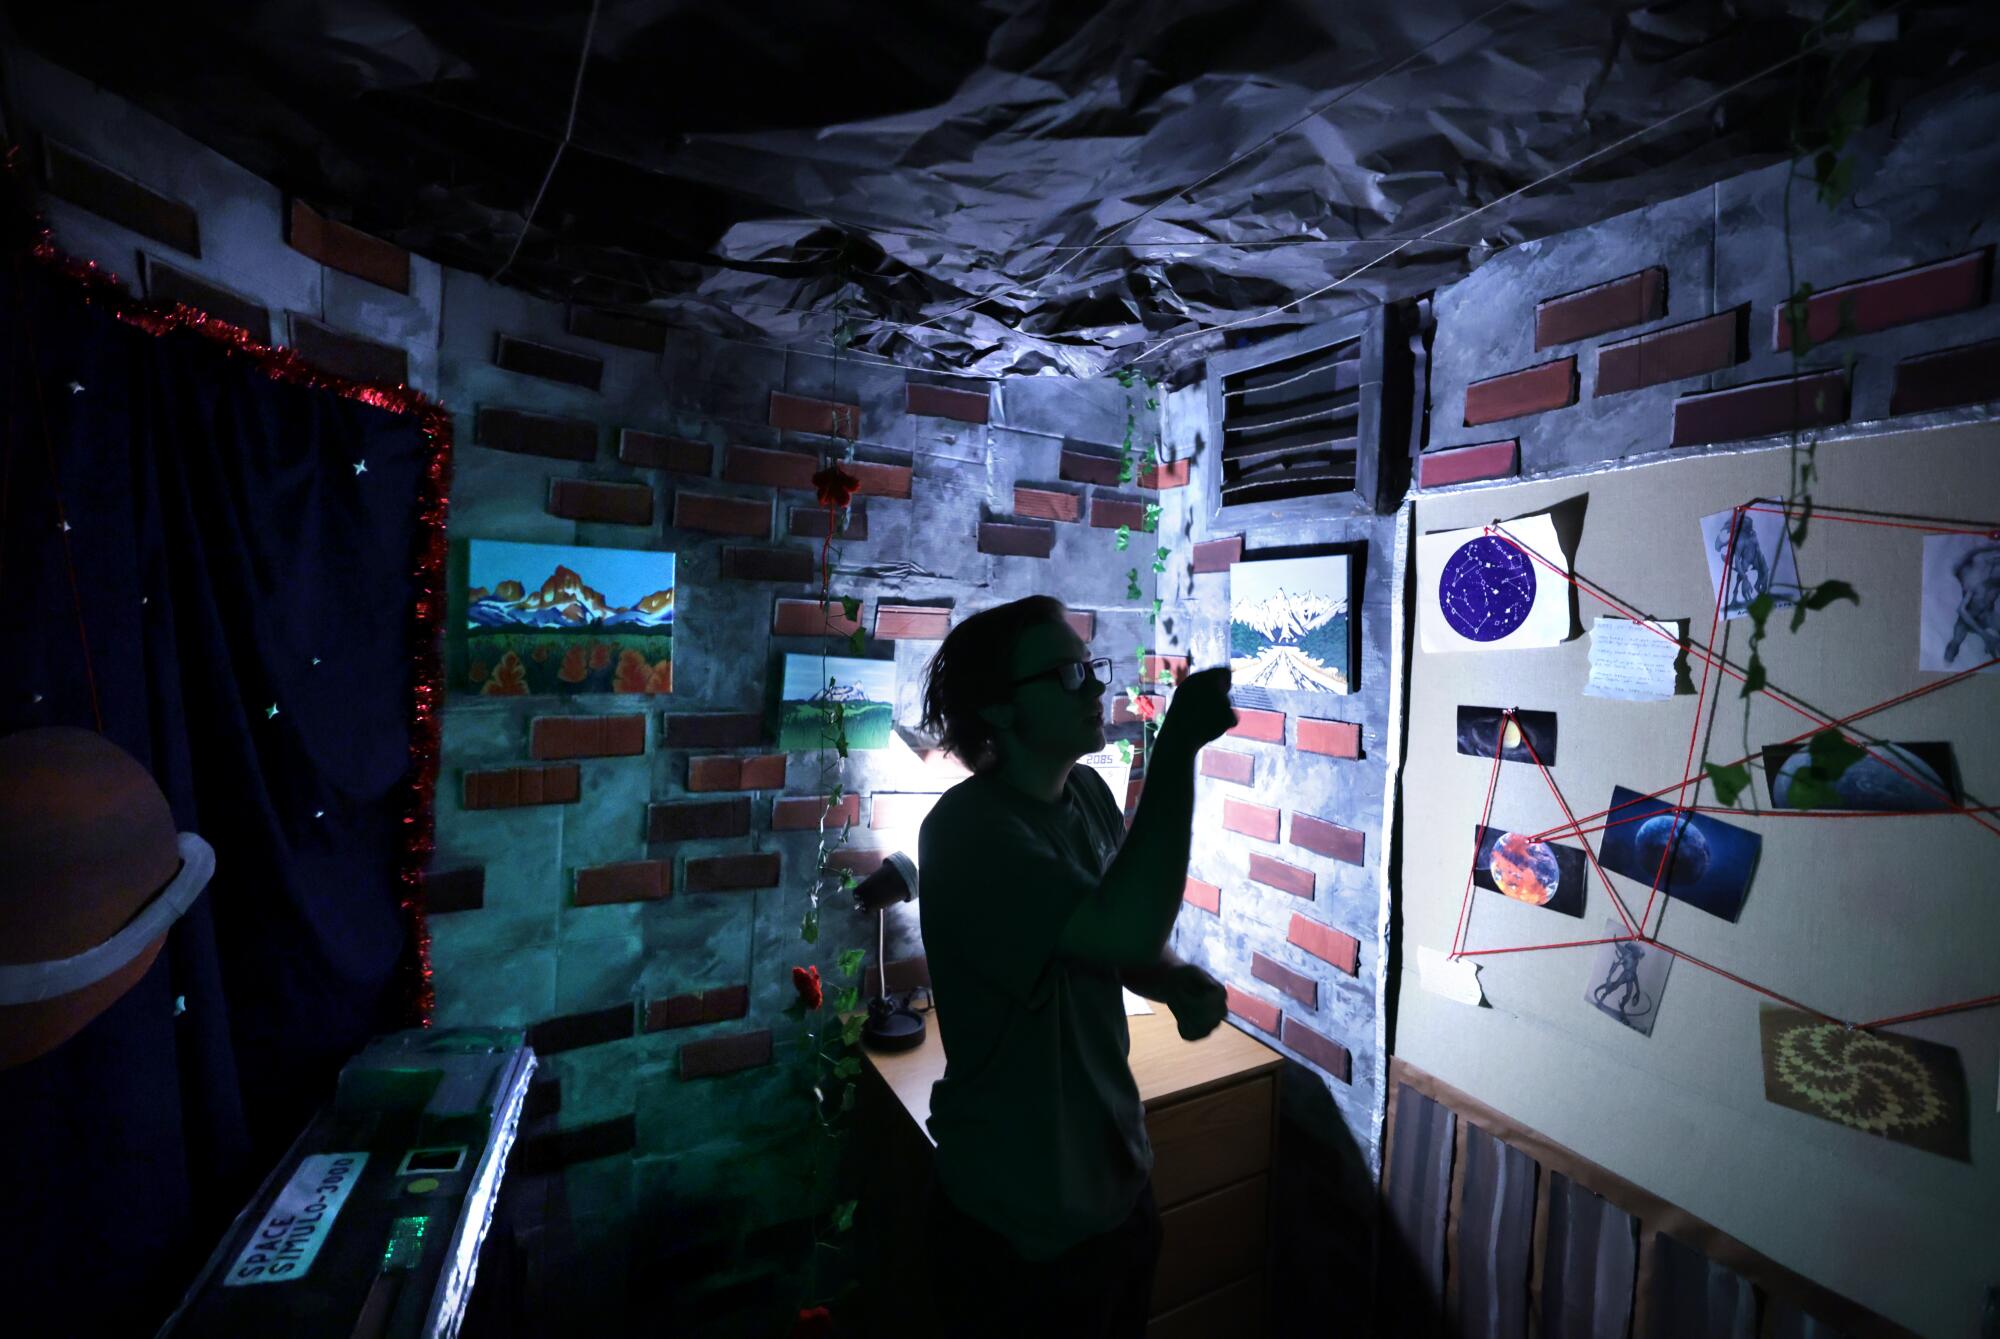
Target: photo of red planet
[[1542, 874]]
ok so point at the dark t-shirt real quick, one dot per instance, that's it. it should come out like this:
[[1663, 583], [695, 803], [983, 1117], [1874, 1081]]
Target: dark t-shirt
[[1040, 1131]]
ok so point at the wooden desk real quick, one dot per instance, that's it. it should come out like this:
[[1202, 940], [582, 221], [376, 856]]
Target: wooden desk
[[1212, 1116]]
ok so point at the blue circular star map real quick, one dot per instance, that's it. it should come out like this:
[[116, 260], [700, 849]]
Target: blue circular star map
[[1487, 589]]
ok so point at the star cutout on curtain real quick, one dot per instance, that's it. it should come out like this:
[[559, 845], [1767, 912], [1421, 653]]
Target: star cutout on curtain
[[315, 660], [271, 712], [76, 388], [361, 467]]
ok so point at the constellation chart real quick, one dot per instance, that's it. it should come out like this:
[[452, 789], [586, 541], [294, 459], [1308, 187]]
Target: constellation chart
[[1487, 589]]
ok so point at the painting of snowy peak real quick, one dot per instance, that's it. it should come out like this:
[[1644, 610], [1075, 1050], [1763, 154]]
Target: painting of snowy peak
[[1288, 627], [560, 618]]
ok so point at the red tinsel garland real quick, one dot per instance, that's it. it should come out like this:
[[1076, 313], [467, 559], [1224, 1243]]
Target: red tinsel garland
[[99, 286]]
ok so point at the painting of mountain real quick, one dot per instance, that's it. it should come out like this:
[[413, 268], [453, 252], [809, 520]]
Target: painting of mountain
[[861, 694], [565, 619], [1288, 625]]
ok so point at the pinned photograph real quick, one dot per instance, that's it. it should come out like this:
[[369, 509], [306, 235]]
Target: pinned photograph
[[563, 618], [1698, 860], [1758, 551], [1903, 778], [1879, 1083], [1542, 874], [818, 691], [1627, 978], [1288, 625], [1524, 737], [1959, 625], [1481, 592]]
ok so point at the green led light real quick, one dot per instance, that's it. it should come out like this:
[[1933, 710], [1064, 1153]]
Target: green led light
[[406, 1243]]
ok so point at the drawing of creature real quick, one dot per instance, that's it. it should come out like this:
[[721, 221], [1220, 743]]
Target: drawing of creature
[[1623, 980], [1978, 574], [1747, 576]]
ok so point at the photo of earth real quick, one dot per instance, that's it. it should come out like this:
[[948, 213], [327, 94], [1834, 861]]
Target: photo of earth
[[1904, 778], [1707, 862]]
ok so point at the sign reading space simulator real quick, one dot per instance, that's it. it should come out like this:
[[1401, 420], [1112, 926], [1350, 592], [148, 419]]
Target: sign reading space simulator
[[284, 1244]]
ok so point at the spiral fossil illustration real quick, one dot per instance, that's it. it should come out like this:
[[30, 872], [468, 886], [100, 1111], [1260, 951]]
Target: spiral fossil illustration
[[1857, 1078]]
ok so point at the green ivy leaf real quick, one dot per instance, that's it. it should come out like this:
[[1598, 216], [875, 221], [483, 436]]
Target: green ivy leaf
[[843, 1214], [850, 1031], [1753, 679], [1833, 753], [848, 881], [1125, 751], [847, 999], [851, 607], [847, 1095], [847, 1068], [1132, 591], [1760, 609], [1151, 403], [1728, 781], [1157, 603], [1124, 535], [1795, 316], [1826, 592], [854, 641], [850, 961], [1152, 515], [1125, 472], [1124, 377], [1799, 529], [1810, 789], [809, 926]]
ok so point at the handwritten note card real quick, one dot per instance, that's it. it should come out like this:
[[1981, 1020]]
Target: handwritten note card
[[1633, 661]]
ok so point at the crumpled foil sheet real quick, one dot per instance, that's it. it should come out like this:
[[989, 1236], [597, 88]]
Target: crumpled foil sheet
[[760, 168]]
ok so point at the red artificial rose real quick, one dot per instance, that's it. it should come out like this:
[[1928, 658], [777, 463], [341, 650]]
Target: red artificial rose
[[1146, 707], [836, 486], [806, 980], [813, 1322]]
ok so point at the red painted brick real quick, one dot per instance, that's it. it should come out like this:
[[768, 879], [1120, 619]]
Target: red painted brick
[[911, 623], [1463, 464], [732, 873], [773, 469], [713, 730], [1336, 739], [1204, 895], [349, 250], [856, 861], [1318, 1049], [1252, 723], [609, 327], [586, 737], [1325, 942], [943, 402], [1046, 505], [512, 354], [347, 355], [688, 820], [879, 480], [1295, 984], [1761, 409], [1168, 474], [1532, 390], [1174, 668], [725, 1055], [901, 810], [515, 787], [1612, 305], [651, 451], [718, 1005], [1328, 839], [721, 772], [454, 890], [1016, 541], [1216, 555], [749, 517], [1248, 1006], [809, 618], [1082, 467], [569, 1031], [1285, 878], [789, 564], [1967, 375], [115, 196], [169, 286], [1108, 513], [1252, 820], [1083, 621], [763, 772], [818, 522], [1690, 349], [797, 413], [629, 881], [615, 504], [1228, 765], [1134, 788], [801, 813], [724, 1003], [1920, 293], [544, 435]]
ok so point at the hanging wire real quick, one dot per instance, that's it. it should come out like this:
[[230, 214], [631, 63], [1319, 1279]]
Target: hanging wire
[[569, 129]]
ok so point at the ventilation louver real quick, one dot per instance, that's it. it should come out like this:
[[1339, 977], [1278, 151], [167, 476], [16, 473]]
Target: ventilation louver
[[1292, 428]]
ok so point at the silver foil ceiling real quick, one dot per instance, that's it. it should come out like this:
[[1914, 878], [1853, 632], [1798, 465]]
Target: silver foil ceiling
[[996, 187]]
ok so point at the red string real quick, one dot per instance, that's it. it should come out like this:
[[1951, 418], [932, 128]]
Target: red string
[[1986, 531], [1485, 818], [1616, 901]]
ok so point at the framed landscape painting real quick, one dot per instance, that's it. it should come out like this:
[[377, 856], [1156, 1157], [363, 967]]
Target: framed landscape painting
[[1288, 625], [562, 618], [861, 692]]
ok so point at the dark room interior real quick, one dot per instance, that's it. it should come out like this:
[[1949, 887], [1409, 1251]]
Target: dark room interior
[[1196, 669]]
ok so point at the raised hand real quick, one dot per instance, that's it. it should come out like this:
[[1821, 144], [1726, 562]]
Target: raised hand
[[1200, 711]]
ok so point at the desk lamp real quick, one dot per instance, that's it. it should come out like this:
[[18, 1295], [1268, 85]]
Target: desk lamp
[[892, 1024]]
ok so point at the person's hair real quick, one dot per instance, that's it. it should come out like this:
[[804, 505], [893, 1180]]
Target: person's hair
[[974, 669]]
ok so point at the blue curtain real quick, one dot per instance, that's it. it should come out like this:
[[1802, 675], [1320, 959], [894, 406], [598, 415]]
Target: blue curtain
[[228, 558]]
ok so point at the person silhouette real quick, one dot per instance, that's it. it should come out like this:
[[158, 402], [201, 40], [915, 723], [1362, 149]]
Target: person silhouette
[[1037, 908]]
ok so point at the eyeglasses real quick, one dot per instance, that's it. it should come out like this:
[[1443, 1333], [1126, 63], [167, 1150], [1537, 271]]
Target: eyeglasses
[[1071, 674]]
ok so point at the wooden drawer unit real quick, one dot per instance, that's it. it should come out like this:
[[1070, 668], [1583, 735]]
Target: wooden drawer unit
[[1233, 1310], [1215, 1239], [1208, 1142]]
